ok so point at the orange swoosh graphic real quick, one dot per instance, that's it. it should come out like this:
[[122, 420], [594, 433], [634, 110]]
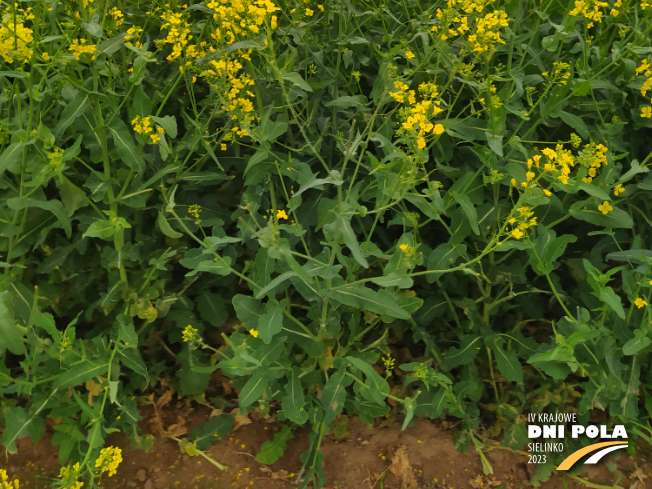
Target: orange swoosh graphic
[[574, 457]]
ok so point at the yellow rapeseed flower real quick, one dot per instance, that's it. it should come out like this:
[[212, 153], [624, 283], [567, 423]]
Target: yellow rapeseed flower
[[109, 459], [646, 112], [517, 233], [409, 54], [253, 333], [190, 334], [640, 302], [619, 189], [280, 214], [605, 207], [309, 12]]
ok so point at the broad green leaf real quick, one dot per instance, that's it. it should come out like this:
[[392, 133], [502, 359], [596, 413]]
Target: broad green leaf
[[11, 336], [334, 178], [12, 155], [126, 331], [380, 302], [142, 105], [442, 258], [467, 351], [358, 102], [106, 229], [272, 450], [125, 146], [248, 310], [640, 341], [18, 424], [274, 283], [74, 109], [342, 227], [253, 389], [508, 363], [112, 45], [393, 280], [213, 430], [165, 227], [79, 374], [54, 206], [334, 395], [271, 323], [168, 123], [588, 211], [576, 123], [612, 299], [468, 209], [294, 403], [296, 79], [131, 359], [376, 388]]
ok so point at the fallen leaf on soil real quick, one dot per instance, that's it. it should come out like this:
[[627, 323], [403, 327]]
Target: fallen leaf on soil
[[280, 475], [484, 482], [402, 470], [638, 474], [241, 420], [177, 429]]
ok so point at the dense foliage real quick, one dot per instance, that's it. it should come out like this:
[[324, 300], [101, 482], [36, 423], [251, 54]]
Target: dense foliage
[[464, 180]]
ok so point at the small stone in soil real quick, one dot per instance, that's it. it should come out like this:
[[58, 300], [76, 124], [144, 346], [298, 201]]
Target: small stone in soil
[[141, 475]]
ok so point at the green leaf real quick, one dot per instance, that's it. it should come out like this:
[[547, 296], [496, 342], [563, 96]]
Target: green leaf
[[576, 123], [271, 323], [112, 45], [588, 211], [380, 302], [468, 209], [296, 79], [272, 450], [74, 109], [442, 258], [334, 395], [393, 280], [16, 426], [213, 430], [248, 310], [507, 361], [141, 107], [274, 283], [131, 360], [106, 229], [640, 341], [608, 296], [253, 389], [168, 123], [467, 351], [12, 155], [358, 102], [293, 403], [126, 331], [79, 374], [54, 206], [376, 388], [165, 227], [125, 146], [11, 337]]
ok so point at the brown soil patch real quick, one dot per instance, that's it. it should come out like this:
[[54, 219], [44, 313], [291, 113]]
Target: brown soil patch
[[421, 457]]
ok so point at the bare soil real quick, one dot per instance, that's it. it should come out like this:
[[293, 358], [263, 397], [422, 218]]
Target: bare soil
[[383, 457]]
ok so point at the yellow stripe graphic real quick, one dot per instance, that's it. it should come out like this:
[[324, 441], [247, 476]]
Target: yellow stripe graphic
[[574, 457]]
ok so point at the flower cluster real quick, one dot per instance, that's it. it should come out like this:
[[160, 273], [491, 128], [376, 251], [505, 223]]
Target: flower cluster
[[142, 125], [190, 334], [69, 476], [416, 116], [239, 18], [560, 73], [109, 459], [590, 9], [194, 210], [80, 47], [472, 18], [560, 162], [522, 222], [224, 78], [117, 16], [15, 37], [4, 481]]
